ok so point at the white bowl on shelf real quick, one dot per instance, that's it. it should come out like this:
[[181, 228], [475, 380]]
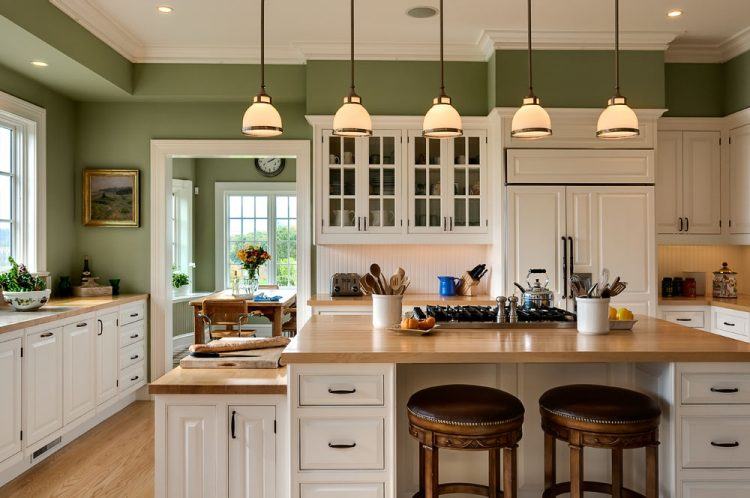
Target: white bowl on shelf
[[27, 300]]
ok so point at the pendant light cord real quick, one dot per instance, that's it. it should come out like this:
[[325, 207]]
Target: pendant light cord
[[442, 64], [262, 47], [617, 48], [352, 46], [531, 86]]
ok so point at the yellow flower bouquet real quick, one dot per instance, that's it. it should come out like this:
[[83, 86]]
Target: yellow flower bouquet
[[252, 258]]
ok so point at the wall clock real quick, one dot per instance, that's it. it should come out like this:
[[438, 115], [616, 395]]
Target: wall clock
[[270, 166]]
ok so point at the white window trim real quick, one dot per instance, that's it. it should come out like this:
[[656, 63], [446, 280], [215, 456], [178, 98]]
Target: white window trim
[[30, 231], [183, 191], [222, 190]]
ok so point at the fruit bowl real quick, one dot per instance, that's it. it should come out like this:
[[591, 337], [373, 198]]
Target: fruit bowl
[[27, 300], [621, 324]]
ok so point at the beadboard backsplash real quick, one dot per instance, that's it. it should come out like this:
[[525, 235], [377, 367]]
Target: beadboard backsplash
[[673, 260], [423, 263]]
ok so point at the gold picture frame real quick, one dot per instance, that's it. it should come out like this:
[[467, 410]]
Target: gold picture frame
[[111, 197]]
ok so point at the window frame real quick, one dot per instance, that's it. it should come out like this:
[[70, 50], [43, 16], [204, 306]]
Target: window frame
[[28, 211], [222, 192], [182, 196]]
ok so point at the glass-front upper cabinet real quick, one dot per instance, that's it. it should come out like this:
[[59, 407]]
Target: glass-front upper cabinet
[[383, 202], [427, 202], [340, 183], [467, 165]]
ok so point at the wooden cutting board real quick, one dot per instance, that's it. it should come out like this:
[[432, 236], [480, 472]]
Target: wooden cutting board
[[256, 358]]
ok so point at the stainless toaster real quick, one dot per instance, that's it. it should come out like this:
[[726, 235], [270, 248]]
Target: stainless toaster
[[345, 284]]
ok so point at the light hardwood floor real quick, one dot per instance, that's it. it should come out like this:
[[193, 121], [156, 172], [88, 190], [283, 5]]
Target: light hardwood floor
[[114, 459]]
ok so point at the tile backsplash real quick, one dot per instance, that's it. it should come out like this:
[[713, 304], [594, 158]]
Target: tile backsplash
[[673, 260]]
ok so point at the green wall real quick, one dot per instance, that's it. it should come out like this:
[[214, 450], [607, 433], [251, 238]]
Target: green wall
[[694, 89], [737, 80]]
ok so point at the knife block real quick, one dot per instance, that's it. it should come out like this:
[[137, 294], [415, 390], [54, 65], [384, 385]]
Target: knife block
[[467, 286]]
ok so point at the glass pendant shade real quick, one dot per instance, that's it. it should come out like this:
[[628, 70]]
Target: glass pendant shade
[[262, 119], [617, 121], [531, 121], [352, 119], [442, 120]]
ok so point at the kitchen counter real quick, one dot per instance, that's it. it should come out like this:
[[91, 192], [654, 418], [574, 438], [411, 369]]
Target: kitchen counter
[[352, 339], [741, 303], [58, 309], [325, 300], [220, 381]]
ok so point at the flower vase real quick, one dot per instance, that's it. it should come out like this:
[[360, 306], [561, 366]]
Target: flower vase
[[248, 284]]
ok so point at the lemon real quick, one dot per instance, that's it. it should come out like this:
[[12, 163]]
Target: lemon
[[624, 314], [612, 313]]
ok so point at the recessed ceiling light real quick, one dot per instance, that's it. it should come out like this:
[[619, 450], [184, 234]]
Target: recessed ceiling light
[[39, 63], [674, 13], [421, 12], [165, 9]]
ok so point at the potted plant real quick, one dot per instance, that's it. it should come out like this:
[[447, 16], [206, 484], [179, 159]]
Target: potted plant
[[22, 290], [180, 282], [252, 258]]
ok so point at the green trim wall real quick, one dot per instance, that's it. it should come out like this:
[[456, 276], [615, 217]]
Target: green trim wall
[[737, 83], [694, 90]]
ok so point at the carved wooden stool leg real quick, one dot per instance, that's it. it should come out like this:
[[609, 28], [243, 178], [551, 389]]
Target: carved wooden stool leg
[[494, 477], [617, 473], [652, 471], [576, 471], [510, 472], [431, 472], [421, 469], [550, 461]]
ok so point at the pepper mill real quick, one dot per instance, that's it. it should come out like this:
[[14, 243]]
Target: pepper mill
[[513, 314], [501, 316]]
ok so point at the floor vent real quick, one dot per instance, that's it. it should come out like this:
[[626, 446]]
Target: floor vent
[[44, 449]]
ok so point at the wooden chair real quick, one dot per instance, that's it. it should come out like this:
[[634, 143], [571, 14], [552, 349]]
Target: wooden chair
[[225, 318], [289, 327]]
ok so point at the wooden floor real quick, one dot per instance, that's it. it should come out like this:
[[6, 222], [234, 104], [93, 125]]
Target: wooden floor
[[114, 459]]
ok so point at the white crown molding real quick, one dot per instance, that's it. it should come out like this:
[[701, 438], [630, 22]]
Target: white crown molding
[[198, 54], [390, 51], [733, 46]]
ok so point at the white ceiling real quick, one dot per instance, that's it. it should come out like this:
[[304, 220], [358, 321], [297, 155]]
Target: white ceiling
[[297, 30]]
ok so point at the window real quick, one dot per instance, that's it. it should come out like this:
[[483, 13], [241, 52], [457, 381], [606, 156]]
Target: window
[[259, 214], [7, 195], [182, 227]]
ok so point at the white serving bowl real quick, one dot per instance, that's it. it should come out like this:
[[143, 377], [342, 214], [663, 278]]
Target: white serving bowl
[[26, 301]]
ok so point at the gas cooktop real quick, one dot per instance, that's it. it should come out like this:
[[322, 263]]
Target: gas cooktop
[[471, 317]]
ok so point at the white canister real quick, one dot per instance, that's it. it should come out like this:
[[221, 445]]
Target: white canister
[[386, 310], [593, 315]]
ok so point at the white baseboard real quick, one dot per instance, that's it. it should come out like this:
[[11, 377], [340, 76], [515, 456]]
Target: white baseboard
[[182, 341]]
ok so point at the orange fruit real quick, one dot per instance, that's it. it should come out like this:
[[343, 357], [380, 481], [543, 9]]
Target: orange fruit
[[410, 323], [427, 323]]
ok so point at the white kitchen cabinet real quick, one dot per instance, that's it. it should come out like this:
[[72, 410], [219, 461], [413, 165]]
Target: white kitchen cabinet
[[10, 398], [688, 182], [739, 180], [582, 230], [79, 363], [106, 358], [43, 375], [252, 451]]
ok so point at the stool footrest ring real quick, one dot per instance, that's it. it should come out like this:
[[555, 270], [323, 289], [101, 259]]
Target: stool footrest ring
[[461, 487], [591, 486]]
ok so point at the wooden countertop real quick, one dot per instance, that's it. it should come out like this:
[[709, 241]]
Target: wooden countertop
[[220, 381], [352, 339], [58, 309], [287, 298], [409, 300], [741, 303]]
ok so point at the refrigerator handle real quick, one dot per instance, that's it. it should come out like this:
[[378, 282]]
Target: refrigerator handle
[[571, 267], [565, 267]]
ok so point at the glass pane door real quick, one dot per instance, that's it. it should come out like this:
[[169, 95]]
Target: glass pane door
[[383, 184], [467, 182], [340, 184], [426, 184]]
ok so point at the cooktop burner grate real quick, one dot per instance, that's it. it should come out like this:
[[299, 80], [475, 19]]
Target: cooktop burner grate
[[488, 314]]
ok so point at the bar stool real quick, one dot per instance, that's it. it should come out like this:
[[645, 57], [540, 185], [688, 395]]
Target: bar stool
[[464, 417], [585, 415]]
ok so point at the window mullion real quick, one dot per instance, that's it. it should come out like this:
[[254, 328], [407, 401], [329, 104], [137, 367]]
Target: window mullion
[[272, 237]]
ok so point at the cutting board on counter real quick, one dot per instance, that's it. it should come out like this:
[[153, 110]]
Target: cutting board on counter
[[256, 358]]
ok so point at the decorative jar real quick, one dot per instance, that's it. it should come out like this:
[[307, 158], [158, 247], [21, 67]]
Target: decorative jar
[[725, 282]]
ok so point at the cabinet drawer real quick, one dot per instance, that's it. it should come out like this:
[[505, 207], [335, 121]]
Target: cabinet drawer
[[133, 376], [715, 489], [323, 490], [130, 355], [693, 319], [132, 333], [341, 443], [731, 323], [715, 388], [321, 390], [131, 313], [716, 442]]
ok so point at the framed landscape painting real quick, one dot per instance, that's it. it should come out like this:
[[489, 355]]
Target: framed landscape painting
[[110, 197]]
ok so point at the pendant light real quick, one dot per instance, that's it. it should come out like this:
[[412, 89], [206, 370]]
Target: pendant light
[[262, 119], [617, 120], [352, 119], [442, 120], [530, 121]]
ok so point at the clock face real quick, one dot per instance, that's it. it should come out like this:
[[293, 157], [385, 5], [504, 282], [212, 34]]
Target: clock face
[[270, 166]]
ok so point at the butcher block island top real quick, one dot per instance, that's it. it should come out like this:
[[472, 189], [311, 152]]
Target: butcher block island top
[[220, 381], [352, 339]]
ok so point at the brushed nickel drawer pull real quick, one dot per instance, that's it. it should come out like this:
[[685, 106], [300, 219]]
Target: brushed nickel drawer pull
[[729, 324], [47, 334], [725, 390], [341, 391], [733, 444], [341, 446]]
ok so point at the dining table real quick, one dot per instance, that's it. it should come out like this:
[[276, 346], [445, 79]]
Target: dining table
[[273, 310]]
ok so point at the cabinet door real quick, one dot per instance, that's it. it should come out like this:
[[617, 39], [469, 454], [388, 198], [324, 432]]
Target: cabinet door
[[536, 235], [192, 452], [428, 212], [581, 205], [466, 183], [340, 184], [79, 369], [382, 199], [739, 180], [669, 184], [252, 452], [701, 167], [106, 358], [43, 374], [10, 398]]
